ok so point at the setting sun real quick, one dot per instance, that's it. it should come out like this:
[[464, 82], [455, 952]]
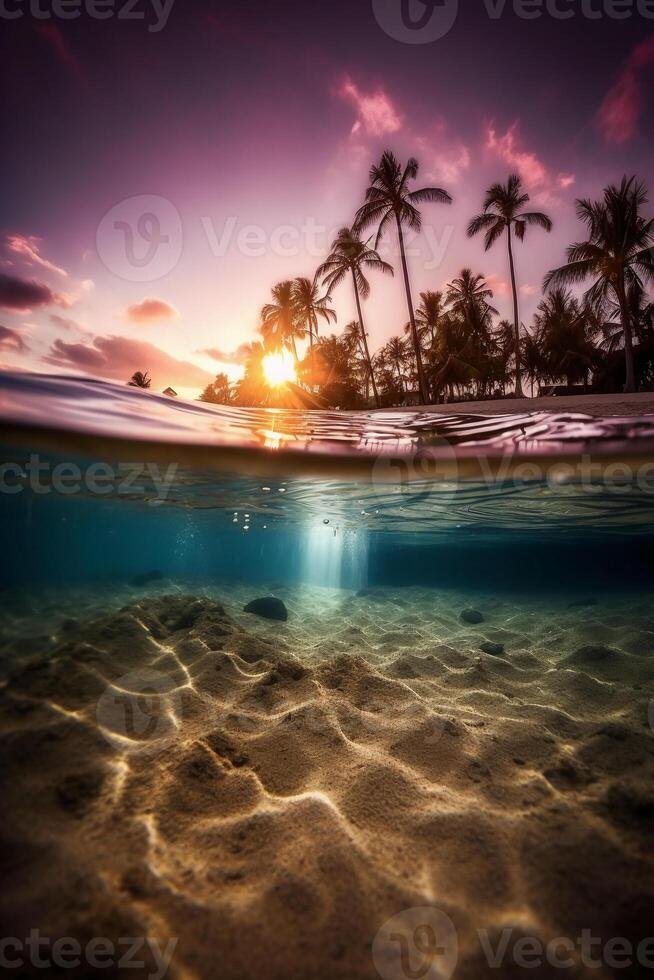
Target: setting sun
[[279, 368]]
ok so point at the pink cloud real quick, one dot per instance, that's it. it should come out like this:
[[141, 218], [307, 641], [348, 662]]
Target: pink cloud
[[536, 175], [238, 356], [528, 290], [499, 286], [28, 248], [118, 357], [24, 295], [619, 114], [530, 168], [151, 309], [376, 114], [65, 323], [444, 158], [11, 340]]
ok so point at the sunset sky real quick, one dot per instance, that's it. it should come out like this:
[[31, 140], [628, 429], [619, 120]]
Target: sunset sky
[[256, 122]]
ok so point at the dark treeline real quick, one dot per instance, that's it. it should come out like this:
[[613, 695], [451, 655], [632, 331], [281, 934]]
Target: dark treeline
[[454, 346]]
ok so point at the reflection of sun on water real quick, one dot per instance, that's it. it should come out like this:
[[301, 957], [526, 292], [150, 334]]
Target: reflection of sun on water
[[279, 368]]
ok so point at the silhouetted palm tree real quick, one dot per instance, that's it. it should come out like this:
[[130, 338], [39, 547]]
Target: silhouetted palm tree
[[218, 391], [504, 212], [532, 357], [429, 315], [280, 326], [350, 256], [564, 339], [469, 291], [311, 306], [389, 199], [396, 354], [617, 255], [140, 379]]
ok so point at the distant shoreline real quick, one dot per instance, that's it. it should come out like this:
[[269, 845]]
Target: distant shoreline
[[596, 405]]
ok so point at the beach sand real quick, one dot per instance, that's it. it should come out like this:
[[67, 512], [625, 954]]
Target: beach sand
[[270, 794], [596, 405]]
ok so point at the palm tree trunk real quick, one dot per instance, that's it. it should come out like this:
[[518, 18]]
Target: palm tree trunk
[[516, 319], [412, 319], [365, 340], [625, 318]]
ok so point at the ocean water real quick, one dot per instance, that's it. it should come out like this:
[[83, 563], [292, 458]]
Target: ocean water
[[467, 661]]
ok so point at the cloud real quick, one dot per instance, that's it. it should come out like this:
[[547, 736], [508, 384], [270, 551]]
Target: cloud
[[528, 290], [531, 169], [24, 295], [499, 286], [65, 323], [11, 340], [376, 114], [118, 358], [238, 356], [620, 113], [537, 177], [151, 309], [445, 159], [53, 37], [28, 248]]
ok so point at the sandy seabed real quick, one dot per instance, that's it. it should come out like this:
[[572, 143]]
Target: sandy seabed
[[271, 794]]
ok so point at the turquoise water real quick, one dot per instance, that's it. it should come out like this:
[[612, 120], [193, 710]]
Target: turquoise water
[[103, 483]]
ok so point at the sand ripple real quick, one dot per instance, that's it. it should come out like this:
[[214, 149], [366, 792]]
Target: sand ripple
[[271, 794]]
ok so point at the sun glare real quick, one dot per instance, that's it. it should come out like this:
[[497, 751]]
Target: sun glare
[[279, 368]]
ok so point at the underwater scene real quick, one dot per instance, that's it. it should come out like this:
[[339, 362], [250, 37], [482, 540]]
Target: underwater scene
[[279, 690]]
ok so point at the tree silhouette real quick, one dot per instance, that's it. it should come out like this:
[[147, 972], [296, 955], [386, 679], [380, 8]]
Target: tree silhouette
[[504, 212], [389, 199]]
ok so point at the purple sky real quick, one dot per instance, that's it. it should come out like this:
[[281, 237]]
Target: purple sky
[[249, 128]]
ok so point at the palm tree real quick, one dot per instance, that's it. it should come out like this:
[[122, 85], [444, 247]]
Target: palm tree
[[564, 336], [217, 392], [396, 353], [504, 211], [350, 256], [280, 326], [140, 379], [310, 306], [469, 291], [532, 357], [389, 199], [429, 315], [617, 255]]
